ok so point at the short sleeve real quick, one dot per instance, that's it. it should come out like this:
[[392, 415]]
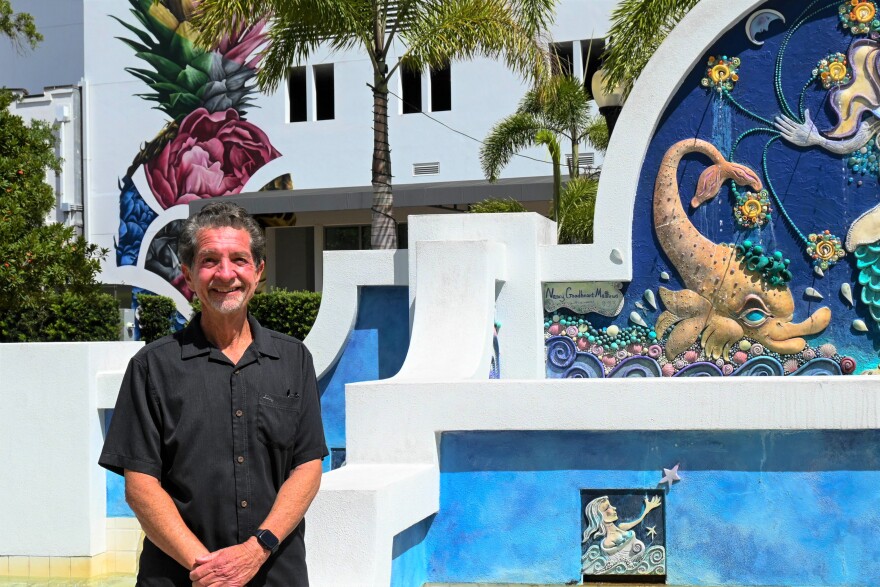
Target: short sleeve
[[310, 443], [133, 438]]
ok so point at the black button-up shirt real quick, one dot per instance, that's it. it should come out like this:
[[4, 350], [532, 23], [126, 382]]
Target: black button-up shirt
[[221, 438]]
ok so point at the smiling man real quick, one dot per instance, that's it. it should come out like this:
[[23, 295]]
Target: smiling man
[[217, 428]]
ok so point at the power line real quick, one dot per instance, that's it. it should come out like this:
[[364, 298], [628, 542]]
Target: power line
[[464, 134]]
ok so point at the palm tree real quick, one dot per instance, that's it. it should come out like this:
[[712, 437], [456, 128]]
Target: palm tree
[[637, 29], [432, 32], [559, 110]]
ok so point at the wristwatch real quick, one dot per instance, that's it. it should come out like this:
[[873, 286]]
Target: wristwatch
[[267, 540]]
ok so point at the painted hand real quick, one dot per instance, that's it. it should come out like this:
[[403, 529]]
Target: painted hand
[[652, 503], [233, 566], [802, 135]]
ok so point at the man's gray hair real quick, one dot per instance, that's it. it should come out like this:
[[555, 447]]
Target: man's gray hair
[[220, 215]]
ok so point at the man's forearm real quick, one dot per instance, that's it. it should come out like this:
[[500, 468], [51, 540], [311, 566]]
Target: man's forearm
[[160, 519], [294, 498]]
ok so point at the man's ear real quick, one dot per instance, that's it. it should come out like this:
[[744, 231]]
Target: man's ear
[[186, 275], [260, 267]]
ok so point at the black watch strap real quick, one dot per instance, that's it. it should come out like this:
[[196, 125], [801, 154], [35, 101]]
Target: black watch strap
[[267, 540]]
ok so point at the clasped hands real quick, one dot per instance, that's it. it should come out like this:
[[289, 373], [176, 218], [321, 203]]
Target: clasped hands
[[233, 566]]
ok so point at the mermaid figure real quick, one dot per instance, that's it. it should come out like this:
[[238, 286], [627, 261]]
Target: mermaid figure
[[857, 107], [619, 551]]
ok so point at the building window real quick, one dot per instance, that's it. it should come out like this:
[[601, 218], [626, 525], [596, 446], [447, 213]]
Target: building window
[[324, 94], [591, 52], [441, 89], [411, 89], [563, 54], [296, 94], [356, 238]]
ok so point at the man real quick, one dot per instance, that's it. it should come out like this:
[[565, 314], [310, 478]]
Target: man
[[217, 428]]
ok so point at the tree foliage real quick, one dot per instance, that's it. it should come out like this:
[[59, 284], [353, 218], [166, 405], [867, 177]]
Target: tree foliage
[[577, 205], [638, 27], [497, 205], [39, 262], [562, 107], [18, 27], [424, 34]]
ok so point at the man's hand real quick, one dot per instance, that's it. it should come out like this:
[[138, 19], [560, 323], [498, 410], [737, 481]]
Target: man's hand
[[233, 566]]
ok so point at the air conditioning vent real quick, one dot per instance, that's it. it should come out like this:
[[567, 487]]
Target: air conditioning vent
[[426, 168], [585, 160]]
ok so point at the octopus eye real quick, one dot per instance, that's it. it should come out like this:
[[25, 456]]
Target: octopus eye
[[754, 317]]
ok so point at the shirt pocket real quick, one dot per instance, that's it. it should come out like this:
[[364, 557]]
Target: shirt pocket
[[278, 418]]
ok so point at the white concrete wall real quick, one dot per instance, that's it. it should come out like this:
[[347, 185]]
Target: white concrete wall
[[53, 491]]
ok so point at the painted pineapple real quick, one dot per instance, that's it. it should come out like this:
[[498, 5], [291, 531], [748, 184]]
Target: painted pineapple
[[183, 76]]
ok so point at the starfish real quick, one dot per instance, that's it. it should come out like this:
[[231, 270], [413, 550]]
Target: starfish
[[670, 475], [652, 531]]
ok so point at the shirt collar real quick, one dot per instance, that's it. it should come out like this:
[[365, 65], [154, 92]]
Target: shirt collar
[[193, 342]]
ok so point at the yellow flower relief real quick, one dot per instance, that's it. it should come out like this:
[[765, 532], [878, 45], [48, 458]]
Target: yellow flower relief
[[719, 73], [863, 12]]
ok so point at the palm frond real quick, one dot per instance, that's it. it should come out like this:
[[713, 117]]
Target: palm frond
[[508, 137], [465, 29], [638, 27]]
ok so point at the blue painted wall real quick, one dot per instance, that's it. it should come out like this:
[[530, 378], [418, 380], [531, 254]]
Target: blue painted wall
[[777, 508], [375, 349], [116, 506], [409, 555]]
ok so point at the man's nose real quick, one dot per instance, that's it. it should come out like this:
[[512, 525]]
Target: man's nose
[[226, 269]]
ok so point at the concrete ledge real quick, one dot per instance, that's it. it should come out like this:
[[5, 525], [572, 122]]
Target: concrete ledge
[[354, 518], [389, 422]]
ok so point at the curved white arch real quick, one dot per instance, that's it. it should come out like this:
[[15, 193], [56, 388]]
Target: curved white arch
[[684, 48]]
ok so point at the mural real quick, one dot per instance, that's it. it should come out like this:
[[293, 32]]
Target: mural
[[611, 546], [774, 266], [207, 149]]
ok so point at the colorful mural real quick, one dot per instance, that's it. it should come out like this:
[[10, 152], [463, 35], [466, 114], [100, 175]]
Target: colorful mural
[[207, 149], [774, 267]]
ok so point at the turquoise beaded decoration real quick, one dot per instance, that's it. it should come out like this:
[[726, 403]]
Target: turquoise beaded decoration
[[859, 18], [773, 267]]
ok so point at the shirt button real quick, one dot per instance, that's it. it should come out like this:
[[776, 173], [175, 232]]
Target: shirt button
[[239, 413], [240, 459], [236, 372], [244, 503]]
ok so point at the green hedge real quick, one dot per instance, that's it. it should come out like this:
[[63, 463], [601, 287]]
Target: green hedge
[[496, 205], [155, 316], [65, 317], [290, 312]]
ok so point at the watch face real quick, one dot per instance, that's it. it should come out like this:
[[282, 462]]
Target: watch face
[[267, 539]]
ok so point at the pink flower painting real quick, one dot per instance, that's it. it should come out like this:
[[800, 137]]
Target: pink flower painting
[[213, 154]]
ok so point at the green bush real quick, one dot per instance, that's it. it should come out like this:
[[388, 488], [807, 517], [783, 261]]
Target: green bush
[[78, 318], [495, 205], [156, 316], [64, 317], [289, 312]]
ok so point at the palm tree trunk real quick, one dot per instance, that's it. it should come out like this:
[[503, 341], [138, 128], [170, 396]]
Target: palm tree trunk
[[574, 169], [383, 233]]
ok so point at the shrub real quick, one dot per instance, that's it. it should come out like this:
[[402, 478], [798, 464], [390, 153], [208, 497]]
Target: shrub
[[156, 316], [496, 205], [77, 317], [65, 317], [289, 312]]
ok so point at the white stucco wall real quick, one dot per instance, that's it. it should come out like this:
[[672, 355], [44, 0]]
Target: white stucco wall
[[51, 435]]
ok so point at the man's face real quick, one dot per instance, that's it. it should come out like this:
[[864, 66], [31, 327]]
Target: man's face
[[223, 275]]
